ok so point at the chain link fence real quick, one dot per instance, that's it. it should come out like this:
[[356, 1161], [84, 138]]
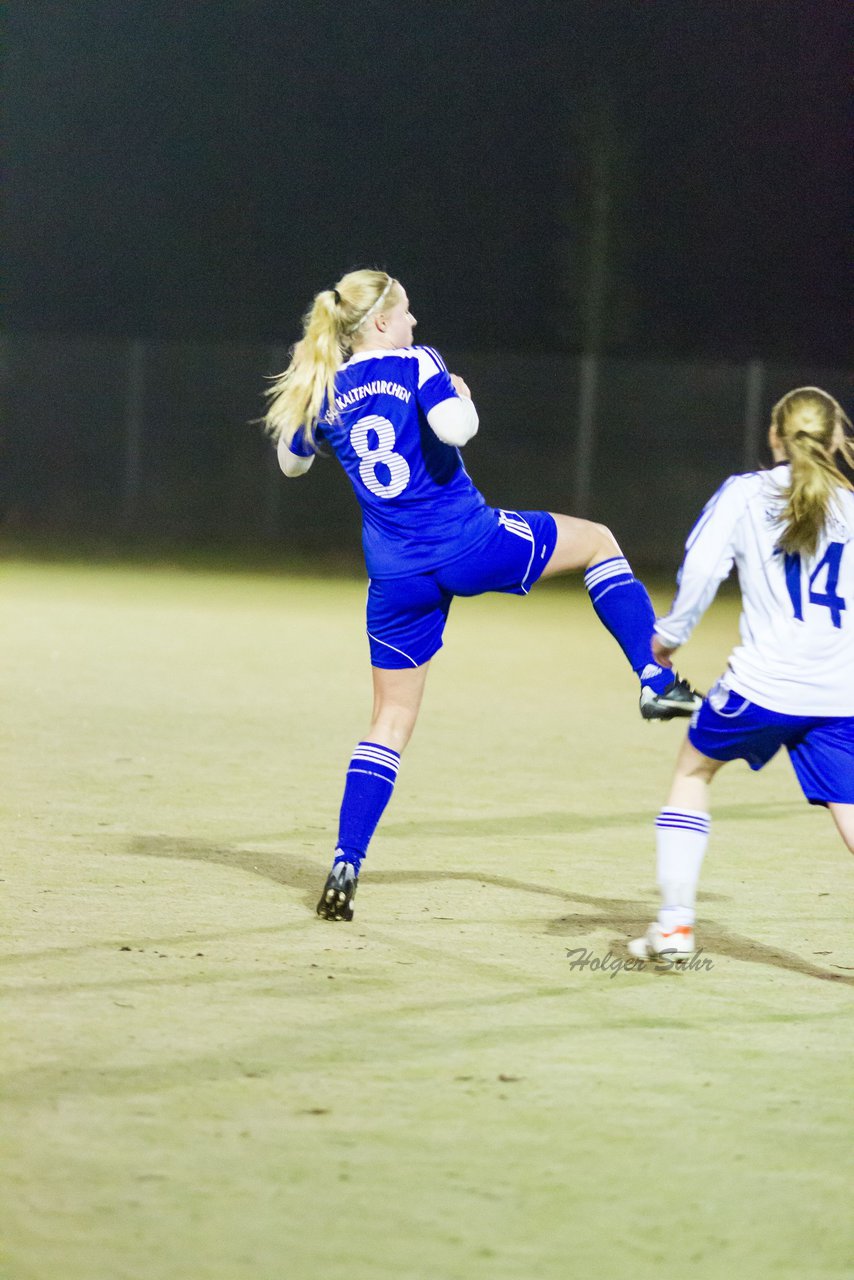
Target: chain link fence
[[154, 442]]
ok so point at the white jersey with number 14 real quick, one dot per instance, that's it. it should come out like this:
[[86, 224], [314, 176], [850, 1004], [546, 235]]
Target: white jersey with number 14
[[797, 626]]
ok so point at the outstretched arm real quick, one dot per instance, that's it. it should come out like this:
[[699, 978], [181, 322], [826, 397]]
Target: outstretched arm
[[709, 555]]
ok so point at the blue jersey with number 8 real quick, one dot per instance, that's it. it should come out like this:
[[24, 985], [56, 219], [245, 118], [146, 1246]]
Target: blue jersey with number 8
[[420, 510]]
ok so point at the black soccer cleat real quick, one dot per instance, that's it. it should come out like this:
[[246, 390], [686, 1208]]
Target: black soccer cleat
[[336, 901], [678, 699]]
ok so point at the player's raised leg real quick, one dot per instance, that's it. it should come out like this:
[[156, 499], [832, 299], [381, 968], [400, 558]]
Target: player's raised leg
[[623, 606], [371, 776], [681, 836]]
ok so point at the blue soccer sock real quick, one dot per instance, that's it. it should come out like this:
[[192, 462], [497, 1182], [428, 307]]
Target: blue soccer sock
[[624, 607], [370, 781]]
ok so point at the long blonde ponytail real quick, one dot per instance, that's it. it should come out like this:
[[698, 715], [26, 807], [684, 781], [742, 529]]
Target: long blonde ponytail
[[811, 428], [330, 327]]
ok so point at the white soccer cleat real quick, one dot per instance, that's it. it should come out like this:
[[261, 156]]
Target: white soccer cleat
[[676, 946]]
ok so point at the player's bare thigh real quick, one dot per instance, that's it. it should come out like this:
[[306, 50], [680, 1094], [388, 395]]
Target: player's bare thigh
[[580, 544]]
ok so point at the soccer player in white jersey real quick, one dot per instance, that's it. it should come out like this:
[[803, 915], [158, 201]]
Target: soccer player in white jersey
[[395, 418], [790, 532]]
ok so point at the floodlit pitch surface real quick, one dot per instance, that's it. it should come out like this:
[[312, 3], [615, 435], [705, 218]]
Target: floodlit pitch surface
[[202, 1081]]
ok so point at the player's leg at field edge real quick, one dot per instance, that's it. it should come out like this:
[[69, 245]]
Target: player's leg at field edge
[[681, 838], [843, 816]]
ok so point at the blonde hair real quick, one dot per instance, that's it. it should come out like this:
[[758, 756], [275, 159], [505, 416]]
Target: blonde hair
[[811, 429], [296, 396]]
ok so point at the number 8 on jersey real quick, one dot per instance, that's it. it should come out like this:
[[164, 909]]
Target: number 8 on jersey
[[383, 453]]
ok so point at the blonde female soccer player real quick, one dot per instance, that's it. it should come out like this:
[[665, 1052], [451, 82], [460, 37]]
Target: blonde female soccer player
[[396, 418], [790, 532]]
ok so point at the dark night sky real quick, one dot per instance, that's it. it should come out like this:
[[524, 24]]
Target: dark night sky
[[203, 168]]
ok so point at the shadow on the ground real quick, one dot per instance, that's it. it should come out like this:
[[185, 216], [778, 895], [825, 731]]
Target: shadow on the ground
[[627, 916], [563, 823]]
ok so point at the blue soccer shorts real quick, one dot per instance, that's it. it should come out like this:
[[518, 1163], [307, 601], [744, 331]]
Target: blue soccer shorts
[[407, 616], [821, 748]]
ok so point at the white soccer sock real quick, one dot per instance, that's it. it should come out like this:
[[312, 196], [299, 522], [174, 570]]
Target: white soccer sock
[[681, 839]]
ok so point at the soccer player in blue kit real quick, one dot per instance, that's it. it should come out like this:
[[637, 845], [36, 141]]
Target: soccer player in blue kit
[[790, 532], [396, 419]]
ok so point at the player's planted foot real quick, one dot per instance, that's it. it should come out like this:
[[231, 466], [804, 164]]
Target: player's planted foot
[[656, 944], [336, 901], [677, 699]]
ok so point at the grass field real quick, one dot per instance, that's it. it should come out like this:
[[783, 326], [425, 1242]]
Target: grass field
[[202, 1081]]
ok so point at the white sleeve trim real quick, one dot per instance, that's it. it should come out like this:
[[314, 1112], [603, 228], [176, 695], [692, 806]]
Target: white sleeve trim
[[291, 463], [454, 420], [429, 363], [709, 555]]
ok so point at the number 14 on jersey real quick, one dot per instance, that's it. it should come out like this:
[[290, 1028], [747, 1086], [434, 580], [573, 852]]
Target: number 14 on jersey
[[828, 566]]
